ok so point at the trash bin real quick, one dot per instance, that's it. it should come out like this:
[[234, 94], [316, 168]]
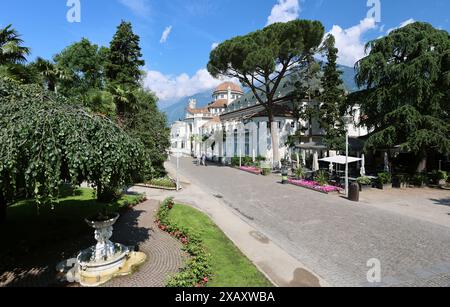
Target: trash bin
[[353, 193]]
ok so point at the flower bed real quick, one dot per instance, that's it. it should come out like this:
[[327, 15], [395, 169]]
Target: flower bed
[[165, 183], [312, 185], [197, 271], [251, 169]]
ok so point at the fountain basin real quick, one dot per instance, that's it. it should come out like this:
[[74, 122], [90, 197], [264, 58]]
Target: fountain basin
[[100, 263]]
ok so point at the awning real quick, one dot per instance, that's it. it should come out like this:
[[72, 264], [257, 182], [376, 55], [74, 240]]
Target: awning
[[312, 146], [340, 160]]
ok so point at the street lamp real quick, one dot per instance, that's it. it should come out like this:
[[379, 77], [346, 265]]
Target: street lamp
[[347, 121]]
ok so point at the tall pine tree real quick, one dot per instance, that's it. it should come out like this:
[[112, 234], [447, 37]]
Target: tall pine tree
[[333, 97], [123, 68]]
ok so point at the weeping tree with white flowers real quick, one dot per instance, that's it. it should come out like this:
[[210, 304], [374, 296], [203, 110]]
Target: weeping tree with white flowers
[[46, 141]]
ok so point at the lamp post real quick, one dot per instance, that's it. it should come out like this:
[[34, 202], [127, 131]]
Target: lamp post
[[347, 121]]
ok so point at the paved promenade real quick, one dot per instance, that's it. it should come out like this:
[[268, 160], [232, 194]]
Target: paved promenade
[[332, 237]]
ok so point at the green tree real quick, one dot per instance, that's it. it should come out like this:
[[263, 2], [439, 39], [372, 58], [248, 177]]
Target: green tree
[[45, 141], [406, 80], [150, 126], [262, 59], [123, 67], [21, 73], [11, 49], [51, 75], [86, 64], [332, 99]]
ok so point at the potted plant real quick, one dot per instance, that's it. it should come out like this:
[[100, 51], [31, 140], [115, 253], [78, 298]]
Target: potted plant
[[299, 173], [418, 180], [384, 180], [441, 178], [365, 183], [266, 169], [321, 178]]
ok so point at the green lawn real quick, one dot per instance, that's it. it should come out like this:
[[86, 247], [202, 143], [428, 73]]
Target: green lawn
[[230, 267], [31, 233]]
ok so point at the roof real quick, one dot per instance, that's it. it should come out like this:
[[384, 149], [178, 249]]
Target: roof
[[312, 146], [278, 111], [197, 111], [218, 104], [224, 87]]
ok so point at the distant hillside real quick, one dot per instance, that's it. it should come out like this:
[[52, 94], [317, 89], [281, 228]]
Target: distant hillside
[[348, 76], [177, 110]]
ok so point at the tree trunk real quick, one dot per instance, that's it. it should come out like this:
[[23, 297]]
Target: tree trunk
[[422, 167], [275, 140], [2, 209]]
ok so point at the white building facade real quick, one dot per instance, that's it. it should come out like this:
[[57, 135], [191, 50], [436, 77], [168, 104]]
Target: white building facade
[[234, 124]]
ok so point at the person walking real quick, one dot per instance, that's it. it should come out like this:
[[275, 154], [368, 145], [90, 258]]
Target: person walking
[[204, 159]]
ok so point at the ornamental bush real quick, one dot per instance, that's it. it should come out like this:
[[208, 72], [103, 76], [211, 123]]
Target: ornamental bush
[[46, 141]]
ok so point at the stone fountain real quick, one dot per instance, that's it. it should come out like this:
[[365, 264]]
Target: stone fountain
[[100, 263]]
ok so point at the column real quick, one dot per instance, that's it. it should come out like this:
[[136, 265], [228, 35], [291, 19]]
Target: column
[[263, 139]]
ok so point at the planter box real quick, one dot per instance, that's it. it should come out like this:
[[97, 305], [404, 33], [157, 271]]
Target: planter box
[[310, 185], [251, 170], [157, 187]]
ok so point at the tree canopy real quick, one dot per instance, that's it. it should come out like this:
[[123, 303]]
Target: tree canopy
[[406, 95], [150, 126], [124, 57], [85, 62], [261, 59], [11, 49], [332, 99], [45, 141]]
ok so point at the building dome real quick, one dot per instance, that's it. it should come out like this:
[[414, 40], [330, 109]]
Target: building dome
[[226, 85]]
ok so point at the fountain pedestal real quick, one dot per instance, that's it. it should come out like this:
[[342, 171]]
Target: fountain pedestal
[[100, 263]]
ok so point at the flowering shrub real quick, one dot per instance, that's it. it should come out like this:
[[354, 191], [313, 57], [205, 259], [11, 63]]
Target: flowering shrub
[[197, 271], [251, 169], [314, 186]]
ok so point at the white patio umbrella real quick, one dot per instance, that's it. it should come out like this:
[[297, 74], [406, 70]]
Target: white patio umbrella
[[340, 160], [316, 162], [363, 165], [298, 160], [304, 157]]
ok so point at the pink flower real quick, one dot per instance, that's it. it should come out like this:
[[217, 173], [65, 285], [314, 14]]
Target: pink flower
[[205, 279]]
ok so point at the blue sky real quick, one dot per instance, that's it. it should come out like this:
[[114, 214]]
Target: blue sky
[[176, 61]]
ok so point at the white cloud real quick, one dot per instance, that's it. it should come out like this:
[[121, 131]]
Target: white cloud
[[165, 34], [169, 87], [349, 41], [403, 24], [214, 46], [284, 11], [138, 7]]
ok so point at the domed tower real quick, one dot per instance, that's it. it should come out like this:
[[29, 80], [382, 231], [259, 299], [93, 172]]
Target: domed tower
[[228, 91]]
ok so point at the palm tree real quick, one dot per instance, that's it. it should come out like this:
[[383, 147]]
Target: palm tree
[[11, 49], [51, 73]]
